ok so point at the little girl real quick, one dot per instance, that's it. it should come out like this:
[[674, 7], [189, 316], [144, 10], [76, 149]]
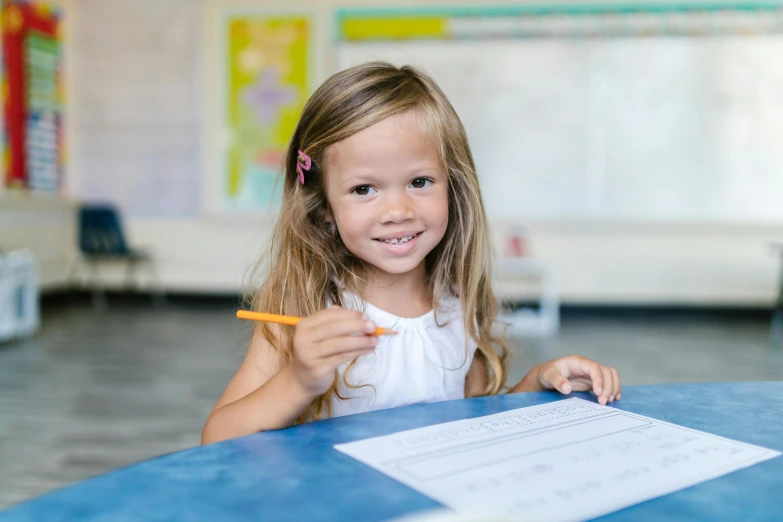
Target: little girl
[[382, 224]]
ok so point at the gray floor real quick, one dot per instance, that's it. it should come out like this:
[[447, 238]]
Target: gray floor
[[94, 392]]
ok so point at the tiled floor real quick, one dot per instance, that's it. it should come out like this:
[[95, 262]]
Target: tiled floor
[[93, 392]]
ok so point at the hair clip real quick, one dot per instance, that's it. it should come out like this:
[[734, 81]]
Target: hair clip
[[302, 162]]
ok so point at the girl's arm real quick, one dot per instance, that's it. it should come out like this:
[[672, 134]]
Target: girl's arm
[[261, 396], [573, 373], [567, 374], [477, 378]]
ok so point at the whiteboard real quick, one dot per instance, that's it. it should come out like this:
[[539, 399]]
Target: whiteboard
[[669, 128]]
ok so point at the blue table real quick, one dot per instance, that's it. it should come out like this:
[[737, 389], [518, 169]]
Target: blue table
[[295, 474]]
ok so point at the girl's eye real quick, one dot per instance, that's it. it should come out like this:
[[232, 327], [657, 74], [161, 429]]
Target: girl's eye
[[420, 182], [363, 190]]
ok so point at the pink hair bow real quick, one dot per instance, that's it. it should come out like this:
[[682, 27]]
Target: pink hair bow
[[302, 162]]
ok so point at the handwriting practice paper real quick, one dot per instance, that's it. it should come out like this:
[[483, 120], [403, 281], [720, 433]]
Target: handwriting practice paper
[[562, 461]]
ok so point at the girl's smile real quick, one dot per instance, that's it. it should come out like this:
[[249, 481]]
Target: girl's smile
[[399, 244]]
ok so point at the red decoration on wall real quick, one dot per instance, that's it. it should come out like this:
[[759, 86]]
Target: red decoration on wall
[[20, 18]]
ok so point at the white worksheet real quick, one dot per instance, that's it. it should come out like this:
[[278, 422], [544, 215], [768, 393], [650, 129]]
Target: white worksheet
[[562, 461]]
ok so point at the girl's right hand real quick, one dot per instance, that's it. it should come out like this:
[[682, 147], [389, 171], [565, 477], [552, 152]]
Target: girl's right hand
[[324, 341]]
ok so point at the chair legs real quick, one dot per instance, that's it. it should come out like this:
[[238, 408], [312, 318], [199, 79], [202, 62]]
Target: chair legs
[[96, 284], [72, 269], [92, 282], [130, 273], [157, 294]]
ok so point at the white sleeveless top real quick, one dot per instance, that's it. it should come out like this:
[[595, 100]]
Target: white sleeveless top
[[424, 362]]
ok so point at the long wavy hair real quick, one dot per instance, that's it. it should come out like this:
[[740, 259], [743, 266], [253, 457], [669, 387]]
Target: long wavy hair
[[308, 265]]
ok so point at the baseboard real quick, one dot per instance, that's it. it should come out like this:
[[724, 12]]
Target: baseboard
[[654, 310], [62, 296]]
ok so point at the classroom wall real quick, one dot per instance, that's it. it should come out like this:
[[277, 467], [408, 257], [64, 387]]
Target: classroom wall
[[46, 226], [598, 262]]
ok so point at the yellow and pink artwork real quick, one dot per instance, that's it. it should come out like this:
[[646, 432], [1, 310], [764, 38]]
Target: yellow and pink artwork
[[267, 81]]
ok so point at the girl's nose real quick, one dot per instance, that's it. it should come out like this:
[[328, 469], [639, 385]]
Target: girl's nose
[[397, 210]]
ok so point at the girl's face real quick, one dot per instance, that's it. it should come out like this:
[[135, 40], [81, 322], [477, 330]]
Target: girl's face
[[388, 194]]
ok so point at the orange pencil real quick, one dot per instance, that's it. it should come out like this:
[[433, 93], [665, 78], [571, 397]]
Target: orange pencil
[[287, 319]]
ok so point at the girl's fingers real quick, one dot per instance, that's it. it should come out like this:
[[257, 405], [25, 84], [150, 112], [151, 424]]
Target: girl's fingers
[[617, 388], [346, 344], [328, 315], [608, 392], [562, 384], [345, 324], [594, 369], [337, 360], [553, 378], [603, 380]]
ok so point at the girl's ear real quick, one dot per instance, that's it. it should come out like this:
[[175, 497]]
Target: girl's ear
[[328, 215]]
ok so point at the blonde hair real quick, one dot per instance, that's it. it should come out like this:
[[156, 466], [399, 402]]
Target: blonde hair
[[308, 264]]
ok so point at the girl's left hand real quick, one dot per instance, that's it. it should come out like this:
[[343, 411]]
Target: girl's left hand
[[577, 373]]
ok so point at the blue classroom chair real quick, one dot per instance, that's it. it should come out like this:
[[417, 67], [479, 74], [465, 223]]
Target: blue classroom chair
[[102, 240]]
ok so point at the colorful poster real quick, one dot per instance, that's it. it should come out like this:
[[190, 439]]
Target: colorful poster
[[42, 57], [32, 96], [267, 84]]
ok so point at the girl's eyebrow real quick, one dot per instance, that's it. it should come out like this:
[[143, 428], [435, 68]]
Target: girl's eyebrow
[[357, 179], [424, 170]]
